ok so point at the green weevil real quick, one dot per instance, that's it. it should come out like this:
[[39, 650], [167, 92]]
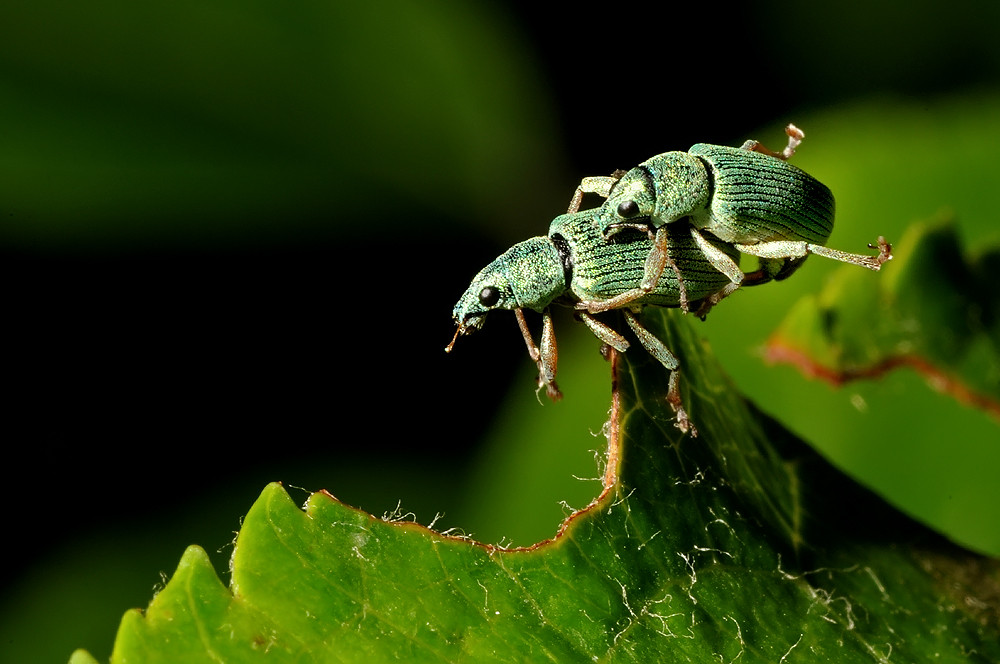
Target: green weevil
[[576, 266], [748, 197]]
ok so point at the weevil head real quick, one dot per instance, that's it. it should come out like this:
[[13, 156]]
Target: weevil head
[[663, 189], [633, 197], [528, 275]]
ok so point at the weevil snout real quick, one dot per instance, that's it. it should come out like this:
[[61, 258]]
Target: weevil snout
[[466, 325], [451, 345], [484, 294]]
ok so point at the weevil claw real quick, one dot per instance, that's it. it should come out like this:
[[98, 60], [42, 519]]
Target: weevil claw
[[681, 419], [884, 250], [795, 136], [551, 391], [683, 423]]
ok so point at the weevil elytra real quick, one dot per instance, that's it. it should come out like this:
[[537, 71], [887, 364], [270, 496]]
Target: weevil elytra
[[575, 265], [748, 197]]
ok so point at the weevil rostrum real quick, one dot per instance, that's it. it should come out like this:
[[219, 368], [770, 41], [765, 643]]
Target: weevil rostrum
[[748, 197], [577, 266]]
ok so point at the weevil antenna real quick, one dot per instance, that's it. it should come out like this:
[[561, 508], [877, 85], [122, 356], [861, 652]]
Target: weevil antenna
[[448, 348]]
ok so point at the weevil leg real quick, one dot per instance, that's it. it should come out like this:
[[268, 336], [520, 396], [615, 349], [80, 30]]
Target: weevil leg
[[719, 260], [776, 250], [545, 357], [674, 399], [795, 136], [757, 277], [768, 270], [616, 302], [779, 270], [655, 347], [549, 356], [871, 262], [727, 266], [528, 340], [657, 261], [799, 250], [603, 332], [600, 185], [659, 350], [641, 226], [707, 303], [772, 269]]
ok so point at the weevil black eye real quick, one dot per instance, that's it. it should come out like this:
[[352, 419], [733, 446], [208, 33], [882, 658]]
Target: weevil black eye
[[628, 209], [489, 296]]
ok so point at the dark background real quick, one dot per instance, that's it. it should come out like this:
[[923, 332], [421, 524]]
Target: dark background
[[130, 353], [236, 263]]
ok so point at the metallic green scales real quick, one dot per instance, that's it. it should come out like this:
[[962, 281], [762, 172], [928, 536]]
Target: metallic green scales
[[695, 212], [602, 269], [757, 198], [575, 265], [748, 197]]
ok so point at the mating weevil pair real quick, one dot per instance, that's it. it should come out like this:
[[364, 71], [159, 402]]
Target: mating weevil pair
[[576, 265], [695, 211]]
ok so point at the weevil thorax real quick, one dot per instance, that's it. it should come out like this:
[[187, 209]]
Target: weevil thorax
[[528, 275], [662, 189]]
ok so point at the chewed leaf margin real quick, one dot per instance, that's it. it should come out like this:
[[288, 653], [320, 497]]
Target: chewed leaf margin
[[722, 546]]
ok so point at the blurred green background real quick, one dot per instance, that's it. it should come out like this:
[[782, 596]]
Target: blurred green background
[[231, 234]]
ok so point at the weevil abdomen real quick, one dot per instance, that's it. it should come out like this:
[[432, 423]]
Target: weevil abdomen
[[604, 268], [757, 198]]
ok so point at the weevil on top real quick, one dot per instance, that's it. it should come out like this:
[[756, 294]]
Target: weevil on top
[[749, 197], [693, 211]]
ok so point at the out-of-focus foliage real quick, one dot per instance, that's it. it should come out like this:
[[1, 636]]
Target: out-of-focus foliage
[[186, 122], [941, 322]]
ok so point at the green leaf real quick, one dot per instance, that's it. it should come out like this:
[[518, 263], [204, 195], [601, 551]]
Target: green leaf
[[890, 163], [82, 657], [740, 543], [934, 311]]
